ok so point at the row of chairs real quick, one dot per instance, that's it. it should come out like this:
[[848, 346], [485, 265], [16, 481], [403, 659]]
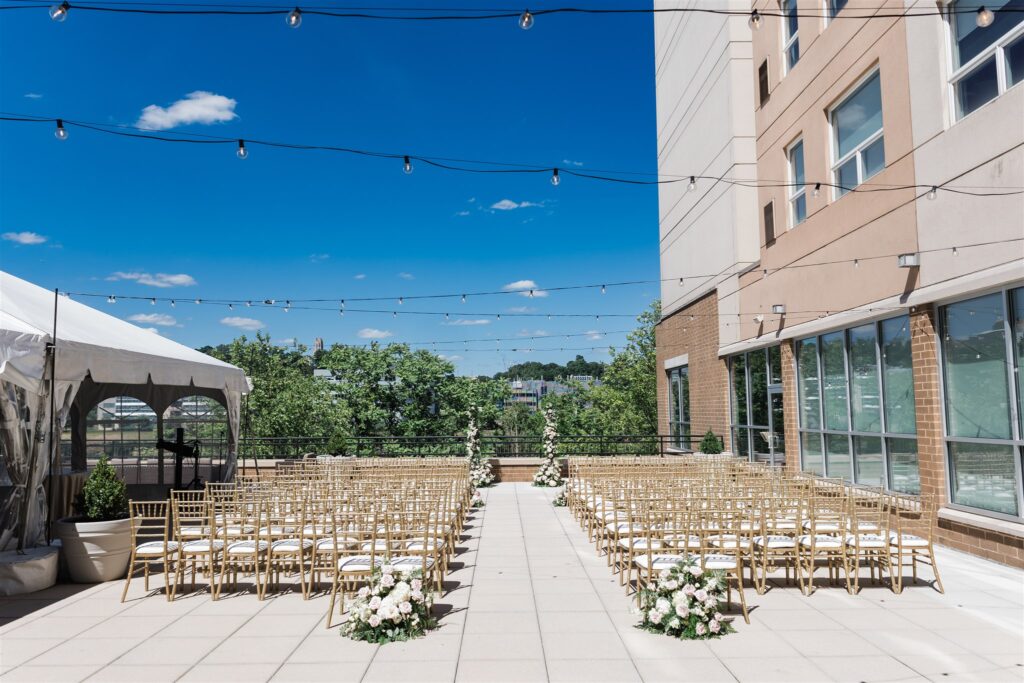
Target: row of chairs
[[326, 524], [748, 520]]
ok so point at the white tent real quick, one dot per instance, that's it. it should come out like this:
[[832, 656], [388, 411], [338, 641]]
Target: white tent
[[97, 355]]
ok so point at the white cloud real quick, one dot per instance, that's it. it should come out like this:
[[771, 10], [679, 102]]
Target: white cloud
[[407, 276], [196, 107], [469, 321], [287, 341], [462, 213], [24, 237], [594, 335], [33, 96], [509, 205], [452, 358], [318, 258], [534, 333], [151, 329], [250, 324], [161, 319], [471, 200], [359, 276], [520, 309], [570, 162], [373, 333], [525, 288], [157, 280]]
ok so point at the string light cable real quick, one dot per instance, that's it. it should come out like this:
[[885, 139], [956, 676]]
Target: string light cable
[[243, 146]]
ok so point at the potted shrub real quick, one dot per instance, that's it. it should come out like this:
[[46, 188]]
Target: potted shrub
[[710, 444], [96, 543]]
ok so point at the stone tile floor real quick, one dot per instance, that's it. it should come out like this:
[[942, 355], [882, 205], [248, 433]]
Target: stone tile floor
[[528, 600]]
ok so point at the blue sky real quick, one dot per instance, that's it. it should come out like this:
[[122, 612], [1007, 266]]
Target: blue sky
[[574, 91]]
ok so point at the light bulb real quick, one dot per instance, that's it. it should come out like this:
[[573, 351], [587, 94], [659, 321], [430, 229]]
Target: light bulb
[[242, 153], [394, 314], [446, 316], [172, 303], [198, 301], [499, 316], [554, 177], [984, 17], [407, 166], [231, 307], [526, 20], [602, 289], [955, 252], [680, 282], [693, 184], [817, 190], [401, 301], [60, 12], [152, 302], [294, 18], [755, 20], [856, 263], [111, 299], [531, 294], [248, 304], [463, 298], [61, 133], [934, 192]]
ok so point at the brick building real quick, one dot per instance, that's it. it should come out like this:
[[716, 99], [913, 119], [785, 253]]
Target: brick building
[[858, 312]]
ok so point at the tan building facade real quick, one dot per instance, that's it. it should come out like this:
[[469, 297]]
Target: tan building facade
[[878, 333]]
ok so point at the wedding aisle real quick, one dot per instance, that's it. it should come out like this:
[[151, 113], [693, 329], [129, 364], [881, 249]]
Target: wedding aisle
[[528, 600]]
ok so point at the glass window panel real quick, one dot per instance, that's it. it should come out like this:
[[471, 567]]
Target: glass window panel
[[796, 160], [800, 209], [810, 408], [758, 388], [866, 400], [775, 363], [673, 397], [778, 426], [1017, 297], [898, 376], [846, 177], [1015, 62], [974, 361], [834, 381], [739, 389], [792, 21], [971, 40], [904, 475], [761, 450], [684, 395], [977, 87], [868, 460], [810, 451], [874, 158], [859, 116], [837, 452], [983, 476], [793, 53], [743, 443], [836, 6]]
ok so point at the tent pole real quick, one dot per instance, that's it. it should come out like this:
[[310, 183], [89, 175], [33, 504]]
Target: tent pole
[[54, 445]]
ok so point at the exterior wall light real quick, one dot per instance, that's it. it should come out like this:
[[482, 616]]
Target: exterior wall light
[[908, 260], [779, 309]]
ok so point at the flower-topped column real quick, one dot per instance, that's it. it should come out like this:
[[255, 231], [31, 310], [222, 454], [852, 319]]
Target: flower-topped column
[[479, 468], [550, 471]]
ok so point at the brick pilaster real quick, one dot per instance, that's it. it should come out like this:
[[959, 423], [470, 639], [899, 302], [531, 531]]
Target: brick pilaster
[[928, 401], [789, 405]]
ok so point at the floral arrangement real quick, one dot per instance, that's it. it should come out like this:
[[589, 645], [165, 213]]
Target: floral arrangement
[[393, 607], [479, 469], [560, 501], [684, 602], [477, 501], [550, 471]]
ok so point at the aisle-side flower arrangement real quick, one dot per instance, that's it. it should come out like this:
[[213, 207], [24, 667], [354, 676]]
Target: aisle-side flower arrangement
[[550, 471], [560, 501], [477, 501], [393, 607], [480, 471], [684, 602]]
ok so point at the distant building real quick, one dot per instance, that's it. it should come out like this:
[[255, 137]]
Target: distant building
[[318, 344], [529, 392]]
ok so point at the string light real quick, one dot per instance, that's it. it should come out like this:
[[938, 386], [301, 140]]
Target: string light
[[955, 252], [294, 18], [526, 20], [152, 302], [198, 301], [241, 153], [755, 20], [60, 12], [394, 314], [407, 166], [984, 17], [555, 180], [932, 193], [61, 133], [173, 304], [531, 294], [248, 304], [401, 300], [463, 298], [817, 190], [111, 299], [602, 289], [693, 184]]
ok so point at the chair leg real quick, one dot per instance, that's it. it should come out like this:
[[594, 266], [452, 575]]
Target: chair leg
[[935, 568], [128, 577], [743, 599]]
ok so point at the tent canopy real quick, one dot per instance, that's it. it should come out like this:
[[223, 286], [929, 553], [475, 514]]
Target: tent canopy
[[90, 342]]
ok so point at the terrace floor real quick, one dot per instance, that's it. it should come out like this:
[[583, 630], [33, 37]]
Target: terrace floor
[[529, 600]]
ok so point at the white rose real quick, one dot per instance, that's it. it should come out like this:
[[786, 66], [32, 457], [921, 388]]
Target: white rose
[[375, 602], [654, 616], [700, 595], [405, 607], [374, 621], [682, 611], [416, 595], [387, 580], [663, 605], [387, 569], [364, 592]]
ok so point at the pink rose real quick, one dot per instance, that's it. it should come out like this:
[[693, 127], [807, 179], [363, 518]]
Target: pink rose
[[374, 621], [701, 629], [714, 626]]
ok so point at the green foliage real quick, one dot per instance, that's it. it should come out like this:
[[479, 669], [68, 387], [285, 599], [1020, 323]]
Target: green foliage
[[517, 419], [627, 400], [710, 444], [553, 371], [104, 495]]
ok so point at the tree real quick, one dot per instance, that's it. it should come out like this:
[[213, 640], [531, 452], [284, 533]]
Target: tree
[[553, 371]]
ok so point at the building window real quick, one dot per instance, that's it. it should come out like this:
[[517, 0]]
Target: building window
[[679, 406], [835, 7], [858, 144], [797, 193], [982, 353], [856, 405], [758, 426], [986, 60], [790, 39]]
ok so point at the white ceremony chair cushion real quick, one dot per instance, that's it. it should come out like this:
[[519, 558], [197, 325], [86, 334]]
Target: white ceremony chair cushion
[[202, 546], [826, 527], [419, 545], [657, 562], [191, 531], [410, 563], [719, 562], [292, 544], [909, 540], [247, 547], [728, 541], [825, 542], [640, 543], [326, 545], [156, 548], [682, 540], [622, 527], [358, 563], [239, 530], [866, 540], [775, 541]]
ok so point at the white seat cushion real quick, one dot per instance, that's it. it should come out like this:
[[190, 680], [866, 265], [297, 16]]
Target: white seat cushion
[[657, 562], [193, 531], [682, 540], [775, 541], [410, 563], [202, 546], [379, 544], [822, 526], [247, 547], [292, 545], [156, 548], [316, 529], [909, 540], [866, 540], [326, 545], [823, 542], [640, 543], [276, 530], [357, 563], [719, 562], [783, 524], [621, 527], [728, 541], [236, 530], [419, 545]]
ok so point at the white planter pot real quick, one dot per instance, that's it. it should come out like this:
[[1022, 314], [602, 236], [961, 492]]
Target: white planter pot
[[95, 551]]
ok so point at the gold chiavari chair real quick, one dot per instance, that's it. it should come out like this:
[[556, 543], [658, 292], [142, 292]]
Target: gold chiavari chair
[[150, 529], [911, 537]]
